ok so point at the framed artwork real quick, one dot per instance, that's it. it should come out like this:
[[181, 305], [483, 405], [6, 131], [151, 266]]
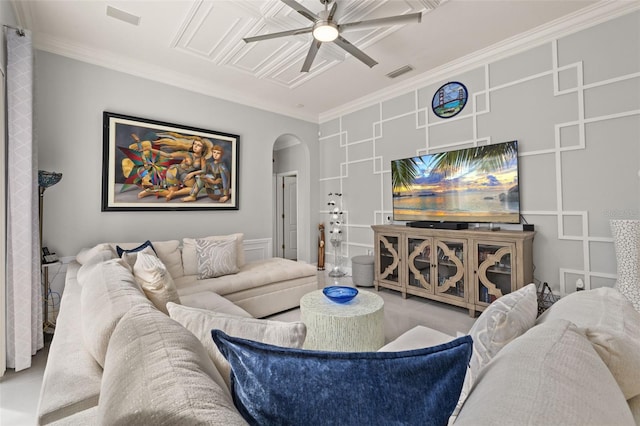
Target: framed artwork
[[449, 99], [152, 165]]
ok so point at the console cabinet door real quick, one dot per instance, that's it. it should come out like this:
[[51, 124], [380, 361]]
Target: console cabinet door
[[420, 265], [451, 269], [387, 261], [494, 275]]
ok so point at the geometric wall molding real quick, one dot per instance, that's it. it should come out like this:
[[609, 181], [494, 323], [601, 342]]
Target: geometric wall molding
[[574, 106]]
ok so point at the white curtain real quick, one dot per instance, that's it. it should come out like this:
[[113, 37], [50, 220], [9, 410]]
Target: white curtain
[[24, 294]]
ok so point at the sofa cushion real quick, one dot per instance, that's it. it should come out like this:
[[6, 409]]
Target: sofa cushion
[[167, 251], [416, 338], [155, 280], [156, 372], [505, 319], [189, 255], [69, 366], [549, 376], [634, 406], [170, 254], [211, 301], [612, 325], [85, 255], [275, 385], [252, 275], [201, 322], [216, 257], [92, 262], [108, 293]]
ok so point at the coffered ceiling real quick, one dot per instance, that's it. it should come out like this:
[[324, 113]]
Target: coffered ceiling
[[197, 44]]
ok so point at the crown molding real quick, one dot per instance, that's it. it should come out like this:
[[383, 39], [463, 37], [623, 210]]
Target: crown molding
[[130, 66], [588, 17], [584, 18]]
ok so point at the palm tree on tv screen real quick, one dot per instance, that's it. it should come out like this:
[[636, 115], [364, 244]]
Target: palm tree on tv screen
[[486, 157]]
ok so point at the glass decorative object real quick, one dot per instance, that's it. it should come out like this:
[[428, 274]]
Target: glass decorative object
[[339, 293], [335, 231]]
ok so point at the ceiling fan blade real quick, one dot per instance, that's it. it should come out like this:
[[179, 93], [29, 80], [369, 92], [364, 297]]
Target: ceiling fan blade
[[333, 11], [313, 51], [279, 34], [381, 22], [359, 54], [301, 10]]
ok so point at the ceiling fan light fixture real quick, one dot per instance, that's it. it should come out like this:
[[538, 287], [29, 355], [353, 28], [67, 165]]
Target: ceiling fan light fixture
[[325, 31]]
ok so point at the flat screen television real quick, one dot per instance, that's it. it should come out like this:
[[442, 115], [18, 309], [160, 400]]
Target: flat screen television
[[478, 184]]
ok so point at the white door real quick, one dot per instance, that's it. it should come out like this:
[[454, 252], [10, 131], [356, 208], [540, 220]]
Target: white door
[[290, 218], [287, 217]]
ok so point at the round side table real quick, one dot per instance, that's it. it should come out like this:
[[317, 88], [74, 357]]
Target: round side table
[[355, 326]]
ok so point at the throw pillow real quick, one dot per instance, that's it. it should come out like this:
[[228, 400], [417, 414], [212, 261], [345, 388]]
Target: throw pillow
[[549, 376], [612, 325], [506, 318], [216, 258], [275, 385], [157, 373], [141, 247], [104, 250], [189, 258], [90, 263], [131, 255], [200, 322], [155, 280]]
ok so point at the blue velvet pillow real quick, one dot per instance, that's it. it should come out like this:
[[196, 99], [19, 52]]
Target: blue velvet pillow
[[141, 247], [272, 385]]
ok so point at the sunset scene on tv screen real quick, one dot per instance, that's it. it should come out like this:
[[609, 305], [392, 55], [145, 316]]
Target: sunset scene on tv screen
[[473, 185]]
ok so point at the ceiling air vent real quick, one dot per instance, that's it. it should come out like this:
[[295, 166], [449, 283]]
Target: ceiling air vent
[[402, 70], [122, 15]]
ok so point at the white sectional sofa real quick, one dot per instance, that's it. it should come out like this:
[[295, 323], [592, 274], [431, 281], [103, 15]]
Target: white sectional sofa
[[261, 287], [117, 359]]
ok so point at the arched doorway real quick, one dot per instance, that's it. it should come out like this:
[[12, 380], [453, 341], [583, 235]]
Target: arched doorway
[[291, 200]]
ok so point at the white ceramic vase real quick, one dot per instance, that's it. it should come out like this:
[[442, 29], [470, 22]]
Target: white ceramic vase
[[626, 239]]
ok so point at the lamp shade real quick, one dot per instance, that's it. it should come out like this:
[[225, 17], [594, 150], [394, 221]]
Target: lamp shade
[[325, 31], [47, 179]]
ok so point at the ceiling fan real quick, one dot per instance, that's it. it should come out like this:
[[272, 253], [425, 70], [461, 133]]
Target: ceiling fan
[[325, 29]]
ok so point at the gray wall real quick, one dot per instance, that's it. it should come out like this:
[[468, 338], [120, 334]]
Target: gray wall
[[573, 103], [69, 101]]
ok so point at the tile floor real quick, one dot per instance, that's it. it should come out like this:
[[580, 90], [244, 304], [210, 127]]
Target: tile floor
[[19, 392]]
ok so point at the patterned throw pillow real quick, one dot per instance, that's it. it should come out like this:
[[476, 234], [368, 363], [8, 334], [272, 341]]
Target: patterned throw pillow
[[507, 318], [216, 258], [155, 280]]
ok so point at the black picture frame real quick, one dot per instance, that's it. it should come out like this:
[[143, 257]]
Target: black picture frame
[[150, 165]]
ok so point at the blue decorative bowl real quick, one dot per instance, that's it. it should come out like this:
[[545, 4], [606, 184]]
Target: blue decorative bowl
[[340, 294]]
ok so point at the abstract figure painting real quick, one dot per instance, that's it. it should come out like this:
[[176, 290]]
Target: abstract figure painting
[[153, 165]]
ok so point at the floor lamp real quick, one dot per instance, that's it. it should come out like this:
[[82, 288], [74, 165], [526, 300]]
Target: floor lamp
[[45, 180]]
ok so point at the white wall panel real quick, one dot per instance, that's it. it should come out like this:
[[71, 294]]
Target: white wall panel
[[572, 102]]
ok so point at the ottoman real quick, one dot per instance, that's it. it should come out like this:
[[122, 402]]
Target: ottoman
[[362, 270]]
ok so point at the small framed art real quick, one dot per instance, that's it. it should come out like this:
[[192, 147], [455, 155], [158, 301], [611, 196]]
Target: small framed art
[[449, 99]]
